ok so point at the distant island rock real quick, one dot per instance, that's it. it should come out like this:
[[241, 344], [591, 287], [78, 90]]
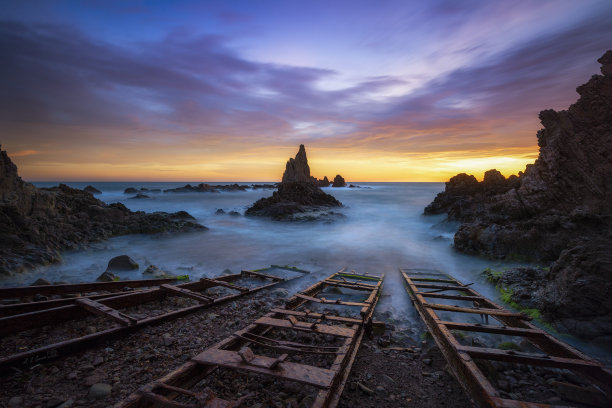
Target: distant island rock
[[37, 223], [298, 197], [559, 211], [339, 181], [201, 188]]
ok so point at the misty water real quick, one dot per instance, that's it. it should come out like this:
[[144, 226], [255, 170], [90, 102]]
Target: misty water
[[382, 229]]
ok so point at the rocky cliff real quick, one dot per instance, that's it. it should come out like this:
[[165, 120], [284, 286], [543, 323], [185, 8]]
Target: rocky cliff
[[559, 210], [35, 223], [298, 195]]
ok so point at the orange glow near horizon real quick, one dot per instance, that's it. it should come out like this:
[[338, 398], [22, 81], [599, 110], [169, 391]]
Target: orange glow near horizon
[[267, 165]]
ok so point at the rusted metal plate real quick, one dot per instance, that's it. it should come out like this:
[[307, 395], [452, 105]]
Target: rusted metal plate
[[331, 302], [306, 326], [319, 377]]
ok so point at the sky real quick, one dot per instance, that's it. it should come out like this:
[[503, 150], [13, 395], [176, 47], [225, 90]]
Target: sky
[[227, 90]]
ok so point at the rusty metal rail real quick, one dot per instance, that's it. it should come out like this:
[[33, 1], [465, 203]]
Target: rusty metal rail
[[274, 356], [463, 360], [23, 303], [123, 323]]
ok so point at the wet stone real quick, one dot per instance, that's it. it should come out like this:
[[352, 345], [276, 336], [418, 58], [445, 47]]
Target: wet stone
[[99, 391]]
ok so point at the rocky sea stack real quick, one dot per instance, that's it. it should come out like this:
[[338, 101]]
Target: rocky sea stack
[[298, 196], [36, 223], [559, 211]]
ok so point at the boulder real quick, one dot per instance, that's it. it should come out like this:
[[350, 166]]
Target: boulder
[[121, 263], [92, 190], [339, 181], [130, 190]]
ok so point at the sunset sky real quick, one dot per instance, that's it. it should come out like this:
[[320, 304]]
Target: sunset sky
[[227, 90]]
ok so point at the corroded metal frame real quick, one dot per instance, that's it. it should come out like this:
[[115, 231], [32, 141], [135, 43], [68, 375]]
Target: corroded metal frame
[[461, 358], [234, 353], [83, 307]]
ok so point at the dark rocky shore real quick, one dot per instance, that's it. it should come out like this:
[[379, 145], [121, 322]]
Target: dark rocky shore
[[37, 223], [558, 212], [298, 197]]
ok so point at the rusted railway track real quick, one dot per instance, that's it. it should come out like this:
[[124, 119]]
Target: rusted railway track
[[261, 349], [120, 323], [465, 360], [23, 303]]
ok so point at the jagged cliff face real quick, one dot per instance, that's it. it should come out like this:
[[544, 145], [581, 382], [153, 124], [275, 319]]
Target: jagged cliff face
[[559, 210], [35, 224], [566, 193], [297, 170], [574, 168]]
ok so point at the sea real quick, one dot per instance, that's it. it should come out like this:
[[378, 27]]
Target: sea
[[381, 229]]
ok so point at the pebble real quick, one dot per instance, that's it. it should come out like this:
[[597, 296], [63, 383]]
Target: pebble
[[97, 361], [99, 391], [427, 361], [167, 339], [16, 402], [90, 330], [72, 375]]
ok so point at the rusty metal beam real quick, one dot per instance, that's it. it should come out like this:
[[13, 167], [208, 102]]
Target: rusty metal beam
[[173, 290], [24, 291], [318, 377]]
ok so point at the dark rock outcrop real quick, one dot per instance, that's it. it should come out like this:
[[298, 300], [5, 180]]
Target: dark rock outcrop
[[339, 181], [297, 170], [559, 209], [324, 182], [121, 263], [297, 194], [92, 190], [37, 223]]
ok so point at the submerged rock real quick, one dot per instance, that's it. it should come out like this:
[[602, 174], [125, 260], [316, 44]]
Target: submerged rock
[[92, 190], [559, 209], [107, 277], [295, 195], [36, 223]]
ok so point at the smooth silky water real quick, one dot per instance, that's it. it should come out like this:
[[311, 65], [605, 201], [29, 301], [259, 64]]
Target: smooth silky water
[[382, 228]]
